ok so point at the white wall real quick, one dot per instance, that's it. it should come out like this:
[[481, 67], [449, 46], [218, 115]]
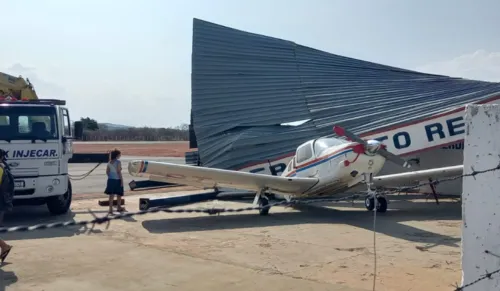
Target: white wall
[[434, 158], [481, 197], [442, 158]]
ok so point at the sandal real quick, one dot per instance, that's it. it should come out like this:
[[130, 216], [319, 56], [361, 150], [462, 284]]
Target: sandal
[[5, 253]]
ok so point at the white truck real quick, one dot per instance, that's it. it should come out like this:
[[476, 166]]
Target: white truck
[[37, 136]]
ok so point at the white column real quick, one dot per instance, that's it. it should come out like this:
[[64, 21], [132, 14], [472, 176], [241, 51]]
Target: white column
[[481, 198]]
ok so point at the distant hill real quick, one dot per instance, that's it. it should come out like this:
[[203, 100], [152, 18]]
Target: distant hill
[[112, 126]]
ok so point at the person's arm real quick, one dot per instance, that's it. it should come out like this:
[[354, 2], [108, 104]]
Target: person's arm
[[1, 175], [119, 170], [107, 170]]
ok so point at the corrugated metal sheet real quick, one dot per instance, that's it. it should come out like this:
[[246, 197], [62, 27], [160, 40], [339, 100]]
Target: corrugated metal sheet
[[245, 85]]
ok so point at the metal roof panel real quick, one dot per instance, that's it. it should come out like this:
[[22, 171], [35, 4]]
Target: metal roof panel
[[245, 85]]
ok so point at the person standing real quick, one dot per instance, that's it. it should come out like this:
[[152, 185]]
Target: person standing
[[114, 184], [6, 194]]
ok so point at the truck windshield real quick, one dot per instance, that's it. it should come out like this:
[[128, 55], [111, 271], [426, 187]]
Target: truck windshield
[[28, 123]]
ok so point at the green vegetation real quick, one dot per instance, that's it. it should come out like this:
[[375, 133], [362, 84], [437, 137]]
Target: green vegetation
[[95, 131]]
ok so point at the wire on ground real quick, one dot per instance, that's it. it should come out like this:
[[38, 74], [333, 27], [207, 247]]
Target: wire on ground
[[83, 176]]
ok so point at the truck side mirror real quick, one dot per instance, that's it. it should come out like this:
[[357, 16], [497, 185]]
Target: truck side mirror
[[78, 130]]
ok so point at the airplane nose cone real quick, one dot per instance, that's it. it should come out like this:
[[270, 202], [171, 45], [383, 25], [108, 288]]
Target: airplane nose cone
[[373, 145], [374, 142]]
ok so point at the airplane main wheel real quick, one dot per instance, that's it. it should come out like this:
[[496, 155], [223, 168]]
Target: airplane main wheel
[[381, 204], [369, 203], [264, 202]]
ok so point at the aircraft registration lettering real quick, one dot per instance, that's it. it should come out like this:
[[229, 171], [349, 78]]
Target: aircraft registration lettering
[[276, 169]]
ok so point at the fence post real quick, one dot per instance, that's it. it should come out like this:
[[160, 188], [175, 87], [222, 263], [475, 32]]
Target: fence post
[[481, 197]]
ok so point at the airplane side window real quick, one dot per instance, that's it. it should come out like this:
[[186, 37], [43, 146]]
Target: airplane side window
[[319, 147], [304, 153]]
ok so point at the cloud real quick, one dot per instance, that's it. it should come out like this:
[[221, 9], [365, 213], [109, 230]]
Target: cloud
[[479, 65]]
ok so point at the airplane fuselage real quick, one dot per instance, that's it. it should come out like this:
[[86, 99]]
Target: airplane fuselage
[[337, 167], [320, 167]]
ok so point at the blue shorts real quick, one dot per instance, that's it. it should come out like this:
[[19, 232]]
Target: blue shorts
[[114, 187]]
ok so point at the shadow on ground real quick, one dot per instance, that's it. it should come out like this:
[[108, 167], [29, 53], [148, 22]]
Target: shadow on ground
[[390, 223], [32, 215], [7, 278]]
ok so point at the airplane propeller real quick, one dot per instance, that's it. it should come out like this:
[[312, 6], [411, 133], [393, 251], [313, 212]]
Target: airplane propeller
[[372, 146]]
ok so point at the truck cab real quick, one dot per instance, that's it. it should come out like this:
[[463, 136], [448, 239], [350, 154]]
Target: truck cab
[[37, 136]]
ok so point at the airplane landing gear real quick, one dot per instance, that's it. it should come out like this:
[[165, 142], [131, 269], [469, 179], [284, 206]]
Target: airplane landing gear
[[381, 203], [370, 198], [262, 200]]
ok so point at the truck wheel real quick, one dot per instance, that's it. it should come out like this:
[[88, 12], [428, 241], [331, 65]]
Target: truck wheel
[[60, 204]]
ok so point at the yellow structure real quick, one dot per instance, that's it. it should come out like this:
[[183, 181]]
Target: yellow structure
[[16, 87]]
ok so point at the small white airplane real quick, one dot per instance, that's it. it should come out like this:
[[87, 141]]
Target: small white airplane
[[321, 167]]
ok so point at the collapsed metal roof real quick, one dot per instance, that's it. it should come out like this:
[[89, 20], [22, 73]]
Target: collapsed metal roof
[[245, 86]]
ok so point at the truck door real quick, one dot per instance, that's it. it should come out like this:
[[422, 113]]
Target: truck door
[[66, 134]]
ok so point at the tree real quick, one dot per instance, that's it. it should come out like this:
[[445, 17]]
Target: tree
[[183, 127], [93, 131], [89, 124]]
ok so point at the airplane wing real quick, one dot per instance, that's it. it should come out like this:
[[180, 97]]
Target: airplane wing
[[408, 178], [211, 177]]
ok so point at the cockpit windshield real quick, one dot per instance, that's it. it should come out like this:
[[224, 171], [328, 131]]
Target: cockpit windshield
[[323, 143]]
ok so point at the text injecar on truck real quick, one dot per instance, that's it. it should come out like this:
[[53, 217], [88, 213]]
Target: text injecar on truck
[[37, 136]]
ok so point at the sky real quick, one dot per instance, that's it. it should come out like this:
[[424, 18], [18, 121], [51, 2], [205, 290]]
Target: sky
[[136, 55]]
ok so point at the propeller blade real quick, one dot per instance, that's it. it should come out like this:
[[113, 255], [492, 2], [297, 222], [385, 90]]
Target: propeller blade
[[393, 158], [340, 131]]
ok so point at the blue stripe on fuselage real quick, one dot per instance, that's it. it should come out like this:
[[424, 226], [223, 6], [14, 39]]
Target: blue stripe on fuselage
[[145, 167]]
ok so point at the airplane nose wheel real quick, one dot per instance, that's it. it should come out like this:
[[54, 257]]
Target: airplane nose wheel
[[381, 203], [370, 198]]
